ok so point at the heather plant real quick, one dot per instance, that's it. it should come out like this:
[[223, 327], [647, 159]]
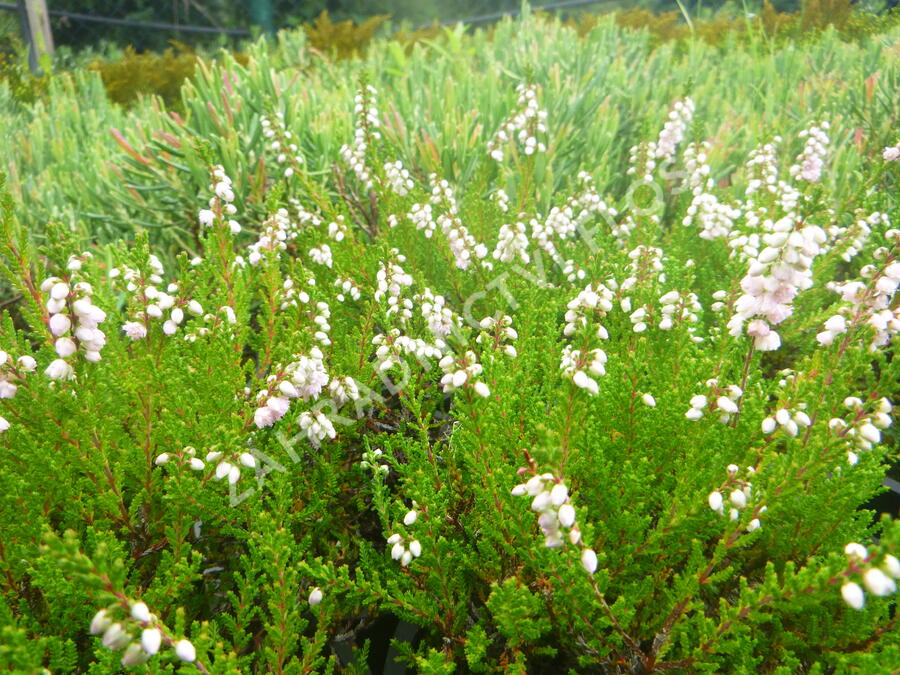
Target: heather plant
[[553, 427]]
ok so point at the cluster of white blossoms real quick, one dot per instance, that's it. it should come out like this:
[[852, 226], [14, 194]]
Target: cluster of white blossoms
[[317, 427], [714, 219], [398, 178], [343, 389], [152, 303], [346, 288], [869, 302], [337, 229], [879, 580], [780, 271], [556, 514], [673, 130], [854, 238], [862, 429], [221, 207], [463, 246], [277, 231], [789, 419], [698, 169], [499, 334], [422, 217], [391, 280], [321, 255], [589, 306], [372, 460], [227, 464], [304, 378], [646, 262], [811, 161], [292, 296], [763, 168], [392, 348], [404, 550], [512, 243], [502, 200], [73, 321], [721, 400], [576, 366], [187, 456], [153, 636], [462, 371], [739, 491], [891, 153], [440, 319], [11, 375], [679, 308], [281, 143], [526, 126], [365, 131]]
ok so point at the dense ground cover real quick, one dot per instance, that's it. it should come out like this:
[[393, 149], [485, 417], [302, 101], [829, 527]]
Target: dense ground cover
[[572, 351]]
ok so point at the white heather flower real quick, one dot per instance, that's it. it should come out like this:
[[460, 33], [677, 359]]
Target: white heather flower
[[482, 389], [185, 651], [115, 637], [753, 525], [738, 498], [27, 363], [589, 560], [151, 639], [59, 324], [59, 370], [134, 656], [134, 330], [59, 291], [4, 424], [892, 566], [566, 515], [856, 550], [648, 400], [317, 427], [196, 464], [100, 622], [716, 501], [65, 347], [140, 612], [853, 595], [878, 583], [410, 517], [315, 596], [415, 547], [891, 153]]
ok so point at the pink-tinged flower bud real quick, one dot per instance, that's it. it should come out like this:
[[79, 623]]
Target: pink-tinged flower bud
[[415, 547], [140, 612], [134, 656], [185, 651], [853, 595], [715, 501], [738, 499], [100, 622], [151, 639], [115, 637], [878, 582], [589, 560], [59, 324], [315, 596], [567, 515], [410, 518]]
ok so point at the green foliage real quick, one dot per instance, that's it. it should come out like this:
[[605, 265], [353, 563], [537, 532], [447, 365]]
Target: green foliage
[[335, 412], [147, 74]]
